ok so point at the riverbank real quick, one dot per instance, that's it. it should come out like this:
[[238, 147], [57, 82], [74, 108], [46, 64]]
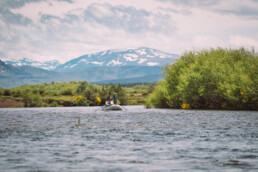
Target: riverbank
[[80, 93]]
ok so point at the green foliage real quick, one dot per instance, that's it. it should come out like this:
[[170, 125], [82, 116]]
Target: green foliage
[[64, 93], [82, 86], [1, 91], [148, 103], [140, 87], [54, 104], [159, 98], [81, 101], [120, 92], [7, 92], [91, 96], [150, 89], [16, 93], [103, 95], [211, 79], [67, 92], [31, 100]]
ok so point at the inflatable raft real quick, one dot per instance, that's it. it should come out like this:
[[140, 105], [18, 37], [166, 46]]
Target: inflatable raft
[[111, 106]]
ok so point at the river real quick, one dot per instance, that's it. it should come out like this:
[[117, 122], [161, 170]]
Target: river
[[135, 139]]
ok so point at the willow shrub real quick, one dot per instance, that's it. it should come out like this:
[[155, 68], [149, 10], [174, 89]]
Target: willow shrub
[[210, 79], [32, 100]]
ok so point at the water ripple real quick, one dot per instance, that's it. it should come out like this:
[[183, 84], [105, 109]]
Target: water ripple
[[139, 139]]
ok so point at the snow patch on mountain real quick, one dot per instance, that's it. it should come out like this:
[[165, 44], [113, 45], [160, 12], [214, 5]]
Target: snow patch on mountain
[[73, 66], [141, 51], [97, 63], [130, 57], [150, 56], [48, 65], [114, 62], [142, 60], [83, 60]]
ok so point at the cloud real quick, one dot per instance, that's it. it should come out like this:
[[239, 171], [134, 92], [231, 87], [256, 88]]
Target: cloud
[[69, 1], [12, 4], [12, 18], [129, 19], [66, 29], [198, 3], [15, 3], [247, 8], [236, 41]]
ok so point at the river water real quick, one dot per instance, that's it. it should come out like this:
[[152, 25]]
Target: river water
[[135, 139]]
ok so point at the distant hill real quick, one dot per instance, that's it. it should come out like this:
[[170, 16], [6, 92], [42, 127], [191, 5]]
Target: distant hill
[[11, 76], [113, 73], [144, 79], [48, 65], [114, 58]]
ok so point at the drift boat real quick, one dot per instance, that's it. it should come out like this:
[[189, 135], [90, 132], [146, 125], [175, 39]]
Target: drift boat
[[111, 106]]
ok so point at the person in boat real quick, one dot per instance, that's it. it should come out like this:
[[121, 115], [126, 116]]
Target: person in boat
[[115, 97], [109, 98]]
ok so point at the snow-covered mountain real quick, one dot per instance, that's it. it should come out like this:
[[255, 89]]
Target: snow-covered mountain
[[48, 65], [112, 66], [131, 57]]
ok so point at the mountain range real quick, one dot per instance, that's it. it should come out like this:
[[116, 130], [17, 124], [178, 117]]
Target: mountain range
[[111, 66], [47, 65], [114, 58]]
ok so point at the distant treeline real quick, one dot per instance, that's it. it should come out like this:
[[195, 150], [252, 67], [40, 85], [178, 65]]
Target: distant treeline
[[210, 79], [129, 85]]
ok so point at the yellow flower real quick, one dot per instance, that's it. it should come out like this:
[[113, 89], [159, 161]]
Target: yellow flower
[[77, 98], [185, 106], [98, 99]]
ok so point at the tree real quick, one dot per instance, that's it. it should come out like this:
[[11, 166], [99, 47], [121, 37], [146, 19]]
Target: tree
[[31, 100], [82, 86], [211, 79]]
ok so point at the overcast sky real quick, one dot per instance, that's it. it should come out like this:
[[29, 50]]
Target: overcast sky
[[66, 29]]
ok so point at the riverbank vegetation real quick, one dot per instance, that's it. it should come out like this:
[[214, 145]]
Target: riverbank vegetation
[[72, 93], [210, 79]]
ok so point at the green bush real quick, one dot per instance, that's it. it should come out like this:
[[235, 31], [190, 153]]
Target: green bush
[[159, 98], [82, 86], [81, 101], [17, 93], [1, 91], [67, 92], [54, 104], [7, 92], [32, 100], [211, 79]]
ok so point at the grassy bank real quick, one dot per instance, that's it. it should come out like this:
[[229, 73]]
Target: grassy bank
[[71, 94]]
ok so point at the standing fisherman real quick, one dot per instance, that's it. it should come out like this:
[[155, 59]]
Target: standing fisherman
[[109, 98], [115, 97]]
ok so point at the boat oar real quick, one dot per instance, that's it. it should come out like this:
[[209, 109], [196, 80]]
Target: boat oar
[[97, 109], [124, 108]]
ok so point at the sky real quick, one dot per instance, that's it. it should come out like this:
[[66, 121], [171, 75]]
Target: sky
[[65, 29]]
